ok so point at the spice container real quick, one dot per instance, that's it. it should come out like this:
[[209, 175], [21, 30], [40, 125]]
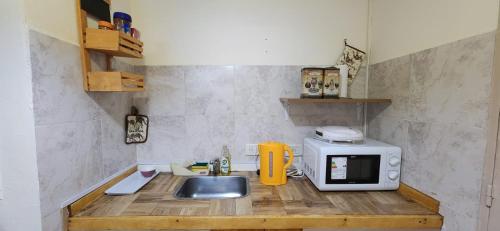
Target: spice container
[[331, 86], [104, 25], [122, 21], [312, 82], [136, 33]]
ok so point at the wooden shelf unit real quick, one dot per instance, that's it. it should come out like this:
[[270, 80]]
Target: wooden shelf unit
[[111, 43], [115, 81], [332, 101]]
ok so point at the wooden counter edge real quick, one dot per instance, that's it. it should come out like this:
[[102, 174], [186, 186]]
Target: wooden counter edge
[[83, 202], [419, 197], [255, 222]]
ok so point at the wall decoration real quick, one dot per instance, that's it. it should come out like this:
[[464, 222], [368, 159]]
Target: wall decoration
[[136, 127], [353, 58]]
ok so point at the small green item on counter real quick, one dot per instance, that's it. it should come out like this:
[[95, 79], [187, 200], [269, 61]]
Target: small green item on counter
[[203, 165]]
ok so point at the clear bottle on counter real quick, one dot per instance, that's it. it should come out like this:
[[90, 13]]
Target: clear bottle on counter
[[225, 161]]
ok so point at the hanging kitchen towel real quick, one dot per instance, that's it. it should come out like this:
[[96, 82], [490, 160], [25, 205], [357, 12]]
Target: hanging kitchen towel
[[353, 58]]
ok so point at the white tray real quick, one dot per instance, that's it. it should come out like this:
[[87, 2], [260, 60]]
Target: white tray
[[130, 185]]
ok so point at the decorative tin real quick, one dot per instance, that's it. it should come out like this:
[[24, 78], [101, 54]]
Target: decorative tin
[[312, 83], [331, 86]]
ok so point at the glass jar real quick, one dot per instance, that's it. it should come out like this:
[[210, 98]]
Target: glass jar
[[136, 33], [123, 22], [104, 25]]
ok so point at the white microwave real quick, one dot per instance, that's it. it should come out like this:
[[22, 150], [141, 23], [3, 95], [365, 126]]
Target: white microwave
[[371, 165]]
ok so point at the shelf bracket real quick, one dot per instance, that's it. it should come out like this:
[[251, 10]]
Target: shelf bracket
[[359, 110], [286, 105]]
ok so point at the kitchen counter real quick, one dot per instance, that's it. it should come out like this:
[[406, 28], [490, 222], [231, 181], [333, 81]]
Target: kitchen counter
[[296, 205]]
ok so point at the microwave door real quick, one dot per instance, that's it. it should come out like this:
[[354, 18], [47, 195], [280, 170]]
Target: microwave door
[[352, 169]]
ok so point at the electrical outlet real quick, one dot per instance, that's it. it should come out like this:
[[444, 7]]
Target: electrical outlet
[[296, 149]]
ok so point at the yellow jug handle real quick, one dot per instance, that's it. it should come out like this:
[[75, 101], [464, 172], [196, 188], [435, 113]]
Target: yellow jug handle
[[289, 163]]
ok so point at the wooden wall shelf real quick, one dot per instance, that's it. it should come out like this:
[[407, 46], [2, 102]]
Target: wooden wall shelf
[[332, 101], [115, 82], [113, 43]]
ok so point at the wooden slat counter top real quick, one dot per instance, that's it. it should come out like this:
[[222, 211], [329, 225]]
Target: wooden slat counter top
[[295, 205]]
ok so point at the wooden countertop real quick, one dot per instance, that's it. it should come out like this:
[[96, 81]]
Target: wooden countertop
[[295, 205]]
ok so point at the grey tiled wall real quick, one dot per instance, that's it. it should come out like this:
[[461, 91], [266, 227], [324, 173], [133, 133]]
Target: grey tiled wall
[[194, 110], [438, 116], [79, 135]]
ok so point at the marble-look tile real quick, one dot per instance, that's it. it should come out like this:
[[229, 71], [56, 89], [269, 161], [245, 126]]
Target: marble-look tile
[[206, 134], [79, 135], [394, 130], [391, 79], [258, 88], [234, 106], [58, 93], [452, 157], [120, 64], [451, 83], [166, 141], [253, 93], [69, 160], [53, 221], [445, 117], [391, 130], [98, 61], [166, 92], [254, 129], [116, 154], [456, 221], [209, 90], [357, 88]]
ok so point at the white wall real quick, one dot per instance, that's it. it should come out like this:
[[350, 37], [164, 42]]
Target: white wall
[[61, 24], [20, 207], [248, 32], [401, 27], [204, 32]]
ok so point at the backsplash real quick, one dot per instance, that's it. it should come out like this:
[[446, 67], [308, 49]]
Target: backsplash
[[79, 135], [438, 115], [194, 110]]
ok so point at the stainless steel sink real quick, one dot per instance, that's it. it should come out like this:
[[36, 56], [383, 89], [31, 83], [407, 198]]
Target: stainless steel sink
[[213, 187]]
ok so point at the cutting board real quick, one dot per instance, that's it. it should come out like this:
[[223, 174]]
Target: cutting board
[[130, 185]]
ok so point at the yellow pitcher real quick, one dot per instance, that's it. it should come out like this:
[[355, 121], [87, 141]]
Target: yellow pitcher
[[272, 162]]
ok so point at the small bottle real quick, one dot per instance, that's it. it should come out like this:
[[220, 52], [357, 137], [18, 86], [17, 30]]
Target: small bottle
[[216, 167], [225, 161]]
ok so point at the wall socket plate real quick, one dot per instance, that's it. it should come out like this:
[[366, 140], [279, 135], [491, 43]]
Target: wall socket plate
[[253, 149]]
